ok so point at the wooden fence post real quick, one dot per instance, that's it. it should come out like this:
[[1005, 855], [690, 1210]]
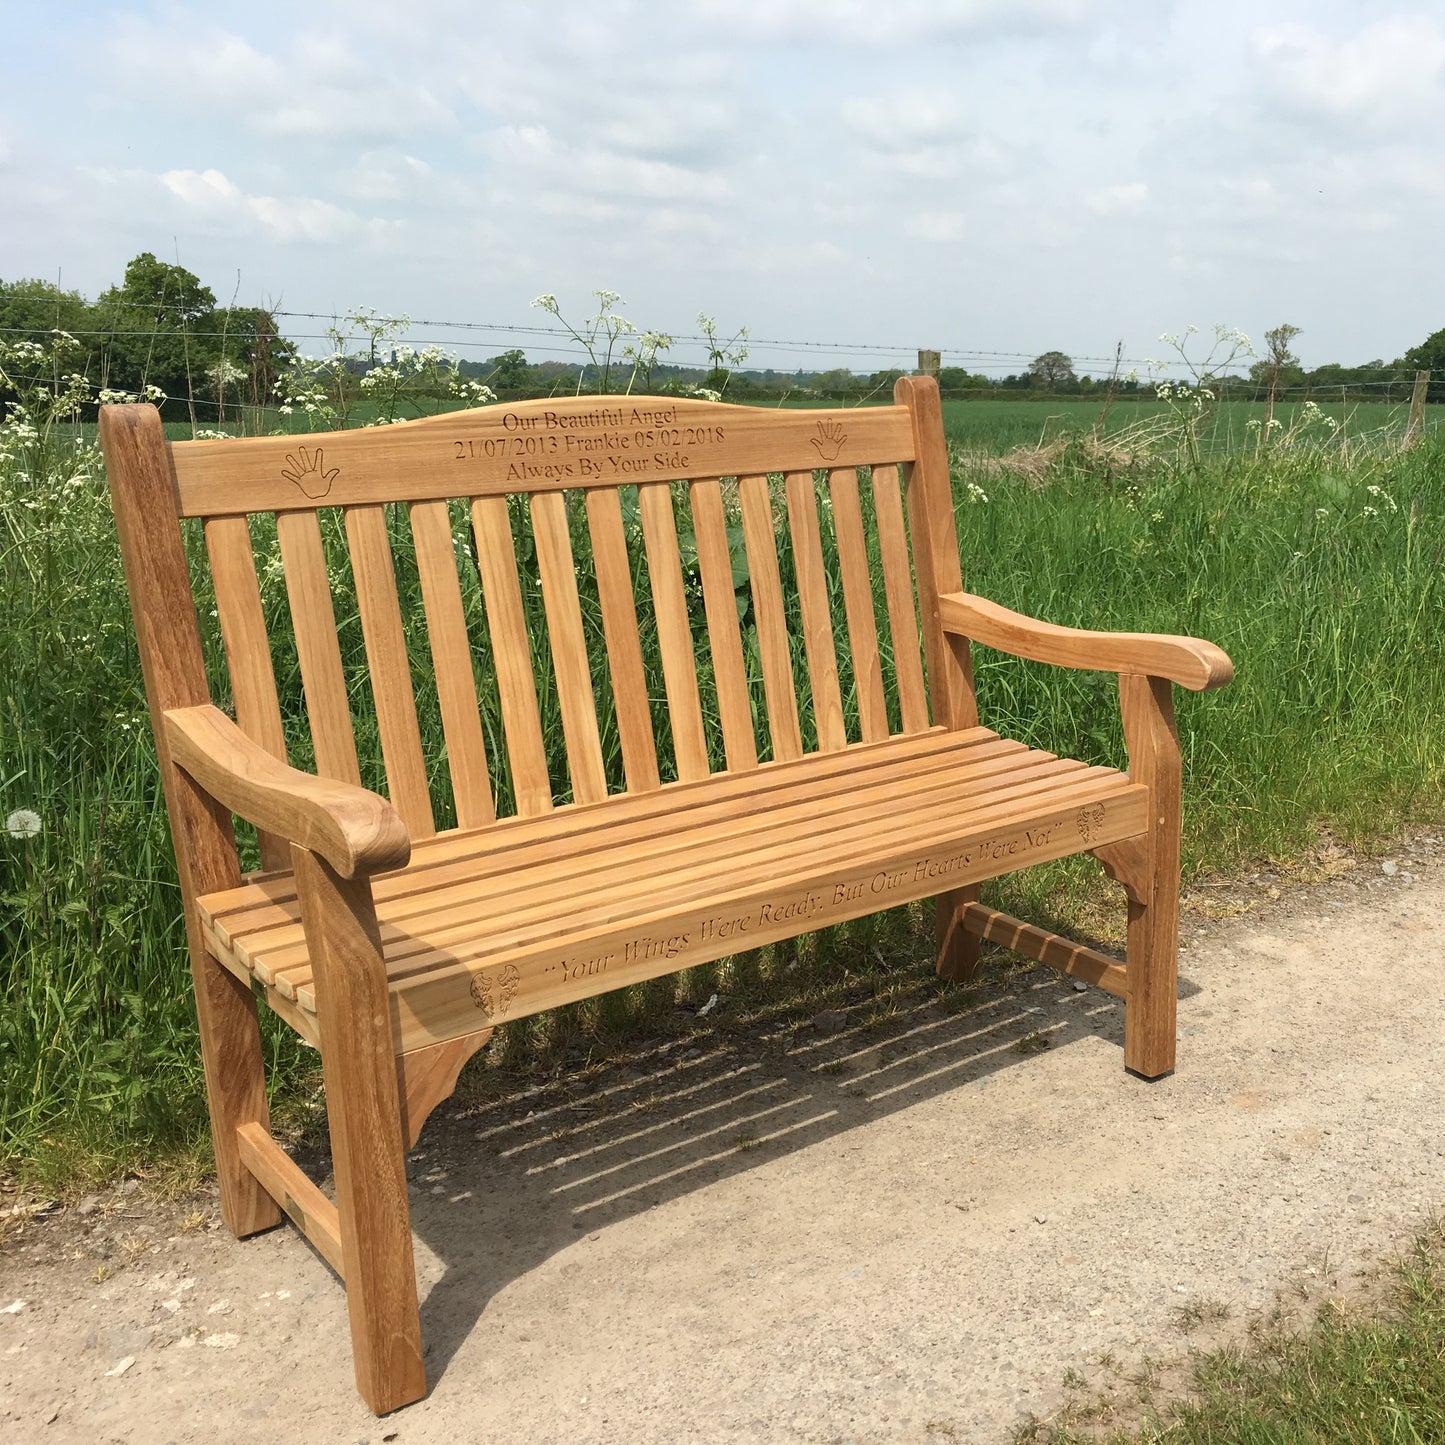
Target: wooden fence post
[[929, 363], [1416, 425]]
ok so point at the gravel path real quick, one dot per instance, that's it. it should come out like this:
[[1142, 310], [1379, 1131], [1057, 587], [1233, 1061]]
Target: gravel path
[[896, 1234]]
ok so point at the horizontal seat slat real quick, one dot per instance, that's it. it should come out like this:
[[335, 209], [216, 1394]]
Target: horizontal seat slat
[[722, 833], [481, 927], [685, 929], [617, 875], [485, 850], [744, 827]]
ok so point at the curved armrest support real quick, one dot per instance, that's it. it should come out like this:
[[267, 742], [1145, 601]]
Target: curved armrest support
[[1189, 661], [356, 831]]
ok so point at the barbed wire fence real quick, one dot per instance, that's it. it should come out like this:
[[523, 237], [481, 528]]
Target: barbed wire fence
[[1366, 384]]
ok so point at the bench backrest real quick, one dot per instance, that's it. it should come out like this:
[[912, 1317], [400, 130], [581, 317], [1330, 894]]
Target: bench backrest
[[606, 568]]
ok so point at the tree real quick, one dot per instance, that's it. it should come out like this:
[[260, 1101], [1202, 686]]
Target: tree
[[1052, 370], [32, 311], [148, 320], [35, 308], [1280, 367], [957, 378], [508, 372], [837, 382], [1429, 356]]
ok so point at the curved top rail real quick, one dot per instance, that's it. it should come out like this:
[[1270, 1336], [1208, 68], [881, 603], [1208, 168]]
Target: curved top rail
[[531, 446]]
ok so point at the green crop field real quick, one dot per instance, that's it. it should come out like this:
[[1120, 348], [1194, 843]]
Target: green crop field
[[995, 425]]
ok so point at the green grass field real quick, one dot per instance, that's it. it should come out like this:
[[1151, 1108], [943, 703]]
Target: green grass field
[[997, 425]]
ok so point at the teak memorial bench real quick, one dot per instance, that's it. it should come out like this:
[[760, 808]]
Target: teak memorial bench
[[744, 796]]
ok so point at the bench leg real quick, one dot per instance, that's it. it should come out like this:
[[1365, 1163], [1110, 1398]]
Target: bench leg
[[958, 949], [358, 1061], [1152, 982], [235, 1088]]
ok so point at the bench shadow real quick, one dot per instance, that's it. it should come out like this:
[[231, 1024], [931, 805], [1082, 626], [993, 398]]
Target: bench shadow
[[497, 1188]]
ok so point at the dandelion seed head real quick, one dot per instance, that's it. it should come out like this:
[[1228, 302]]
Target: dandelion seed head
[[23, 823]]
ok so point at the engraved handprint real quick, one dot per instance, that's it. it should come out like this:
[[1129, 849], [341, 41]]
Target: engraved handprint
[[829, 440], [306, 471]]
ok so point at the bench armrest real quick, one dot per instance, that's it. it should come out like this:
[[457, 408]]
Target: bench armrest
[[356, 831], [1189, 661]]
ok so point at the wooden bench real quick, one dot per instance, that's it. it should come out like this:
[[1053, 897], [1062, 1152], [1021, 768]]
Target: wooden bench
[[748, 748]]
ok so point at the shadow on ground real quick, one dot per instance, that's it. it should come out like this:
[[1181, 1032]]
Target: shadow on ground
[[498, 1187]]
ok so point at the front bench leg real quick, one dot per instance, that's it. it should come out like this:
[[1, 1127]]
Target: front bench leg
[[358, 1061], [958, 949], [1152, 981]]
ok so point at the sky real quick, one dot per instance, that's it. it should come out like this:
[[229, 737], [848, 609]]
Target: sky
[[990, 178]]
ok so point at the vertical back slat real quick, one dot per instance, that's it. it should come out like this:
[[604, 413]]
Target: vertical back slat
[[389, 668], [308, 589], [858, 603], [569, 647], [730, 675], [512, 654], [898, 586], [451, 651], [624, 649], [929, 489], [674, 635], [817, 623], [248, 651], [772, 623]]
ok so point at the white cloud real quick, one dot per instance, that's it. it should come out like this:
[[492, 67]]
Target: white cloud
[[295, 218], [543, 163], [388, 175], [941, 226], [1385, 74], [313, 89], [1128, 198], [901, 22]]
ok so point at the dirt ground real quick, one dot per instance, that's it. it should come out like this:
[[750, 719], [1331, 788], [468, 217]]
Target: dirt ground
[[898, 1233]]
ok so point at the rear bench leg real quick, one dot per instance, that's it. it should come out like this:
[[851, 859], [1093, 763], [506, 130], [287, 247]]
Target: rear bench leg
[[1152, 982], [235, 1088], [229, 1030], [358, 1061], [958, 949]]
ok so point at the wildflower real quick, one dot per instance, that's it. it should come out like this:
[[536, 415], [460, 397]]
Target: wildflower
[[1322, 511], [23, 823], [976, 493]]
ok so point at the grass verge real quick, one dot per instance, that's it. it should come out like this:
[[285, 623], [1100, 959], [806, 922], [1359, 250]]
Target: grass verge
[[1365, 1373]]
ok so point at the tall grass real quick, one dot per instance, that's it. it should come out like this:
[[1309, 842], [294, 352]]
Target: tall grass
[[1318, 571]]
